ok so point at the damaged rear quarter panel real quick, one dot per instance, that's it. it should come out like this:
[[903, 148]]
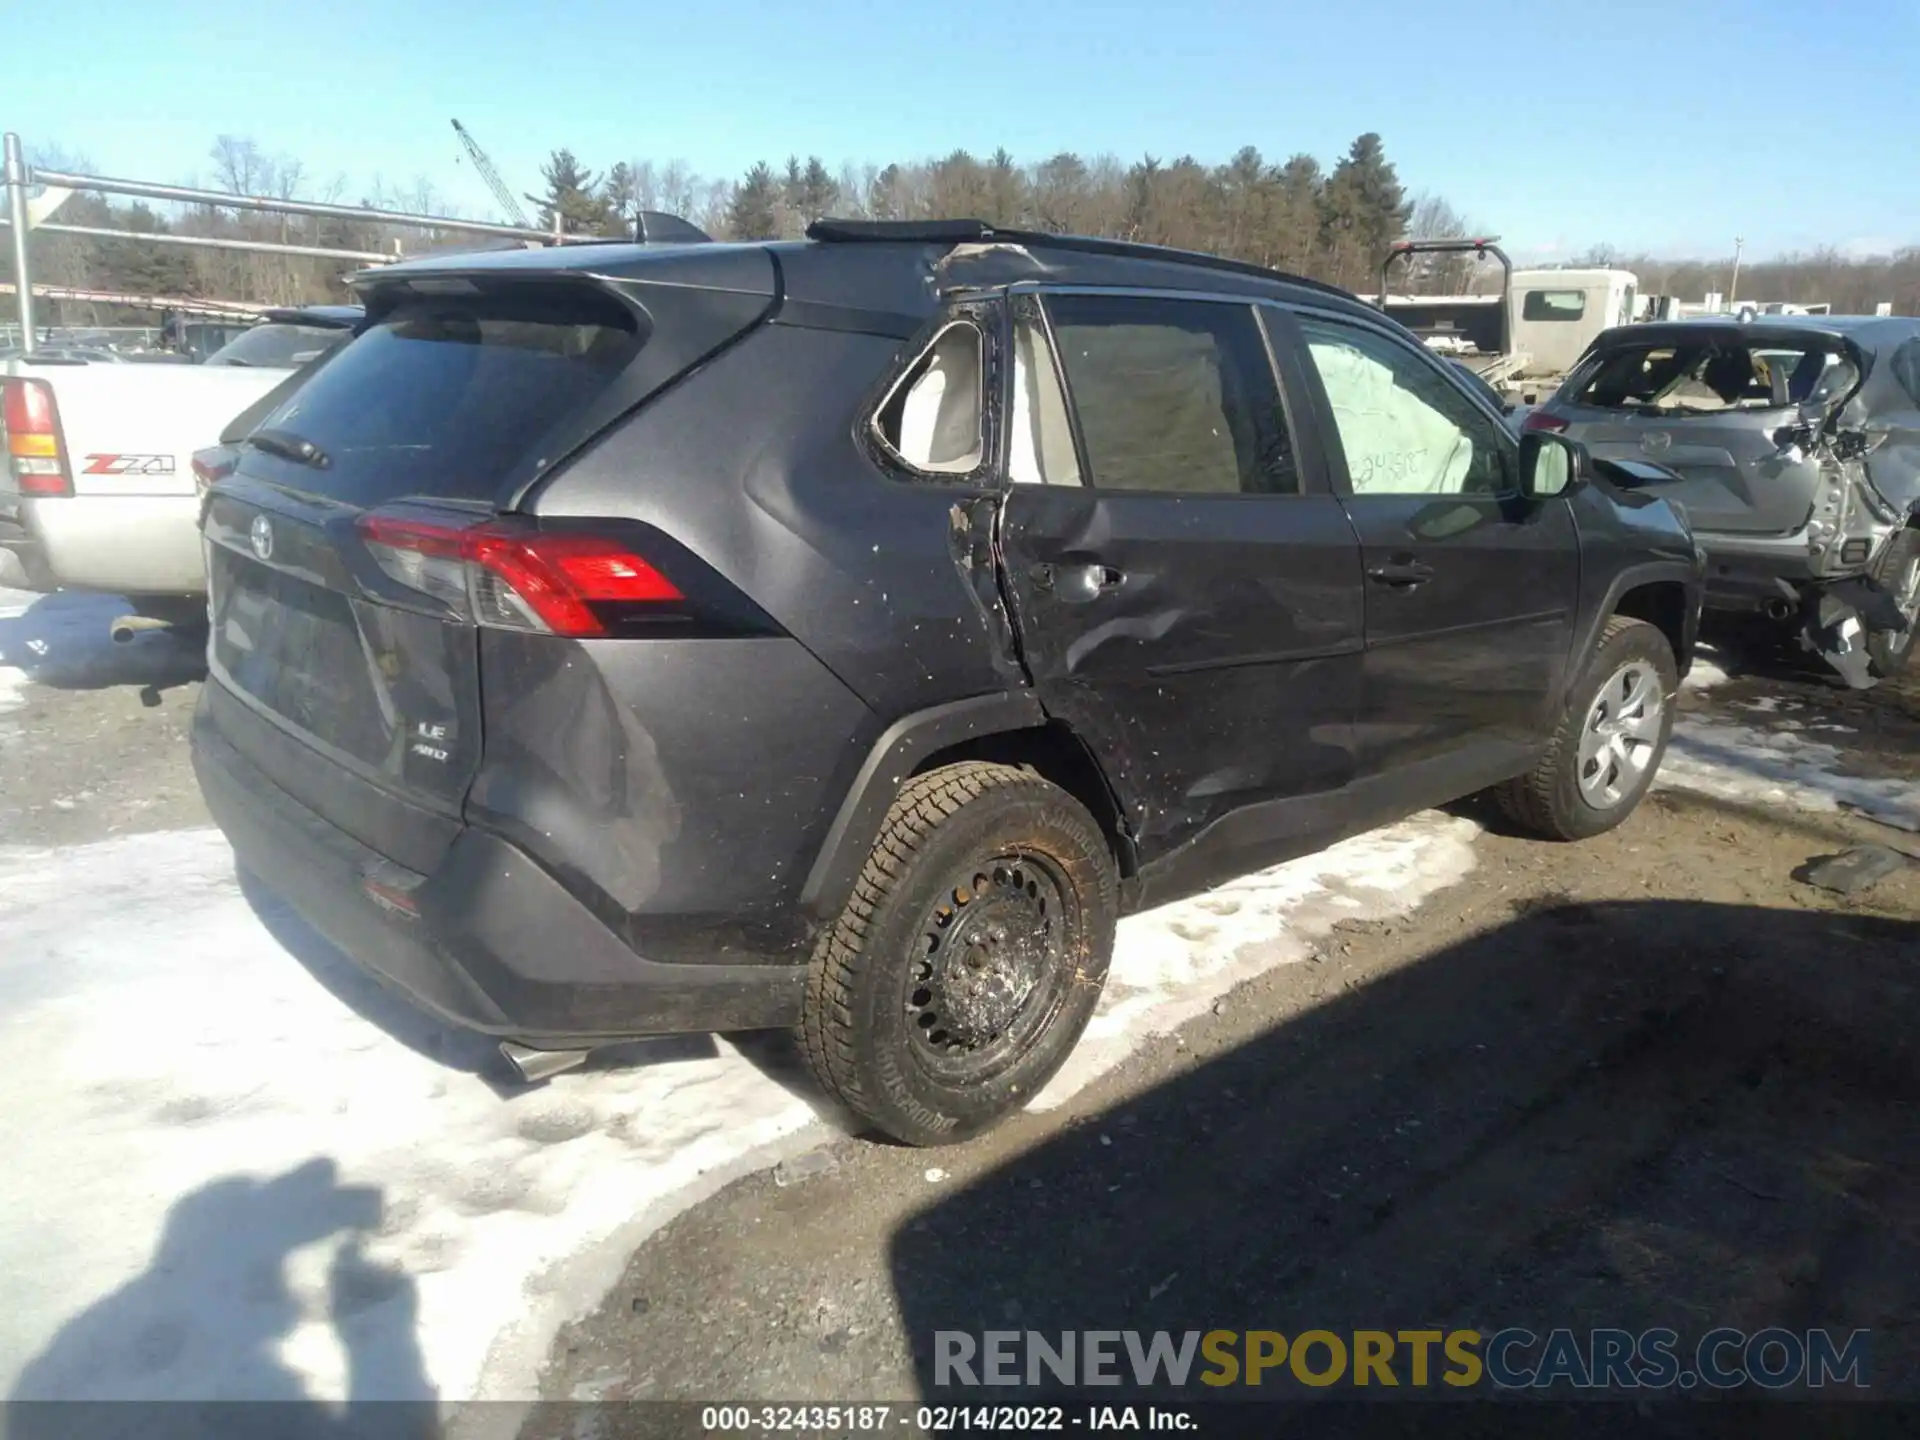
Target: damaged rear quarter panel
[[872, 574]]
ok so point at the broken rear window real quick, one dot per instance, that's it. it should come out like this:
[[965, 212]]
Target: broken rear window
[[1714, 374]]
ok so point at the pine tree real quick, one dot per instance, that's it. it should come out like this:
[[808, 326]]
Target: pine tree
[[619, 195], [1247, 199], [570, 195], [1296, 215], [1365, 210], [1006, 190], [753, 213], [882, 193], [819, 192]]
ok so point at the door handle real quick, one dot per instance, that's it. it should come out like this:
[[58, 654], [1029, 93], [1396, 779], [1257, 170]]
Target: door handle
[[1077, 582], [1401, 574]]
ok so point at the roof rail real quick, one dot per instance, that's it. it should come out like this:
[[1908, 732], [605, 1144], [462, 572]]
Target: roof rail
[[960, 232]]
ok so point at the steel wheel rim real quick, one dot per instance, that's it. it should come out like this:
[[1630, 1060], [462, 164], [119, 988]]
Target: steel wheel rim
[[990, 971], [1621, 735]]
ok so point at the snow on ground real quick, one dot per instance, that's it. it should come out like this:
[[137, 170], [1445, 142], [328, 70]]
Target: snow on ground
[[223, 1180], [1172, 963], [1779, 764], [13, 680], [1708, 669]]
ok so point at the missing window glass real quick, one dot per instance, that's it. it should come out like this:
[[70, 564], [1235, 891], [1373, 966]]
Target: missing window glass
[[930, 420]]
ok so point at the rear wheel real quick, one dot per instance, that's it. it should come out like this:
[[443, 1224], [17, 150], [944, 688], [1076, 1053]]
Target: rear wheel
[[969, 958], [1610, 741], [1898, 572]]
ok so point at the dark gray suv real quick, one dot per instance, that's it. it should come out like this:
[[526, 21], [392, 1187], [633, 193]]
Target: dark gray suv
[[843, 634]]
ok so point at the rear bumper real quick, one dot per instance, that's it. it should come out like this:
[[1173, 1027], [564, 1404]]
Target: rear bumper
[[125, 544], [493, 942], [1744, 572]]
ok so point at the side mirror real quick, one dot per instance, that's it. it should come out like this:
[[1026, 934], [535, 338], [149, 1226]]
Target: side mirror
[[1551, 465]]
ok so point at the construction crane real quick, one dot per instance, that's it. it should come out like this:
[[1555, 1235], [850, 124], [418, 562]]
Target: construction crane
[[491, 176]]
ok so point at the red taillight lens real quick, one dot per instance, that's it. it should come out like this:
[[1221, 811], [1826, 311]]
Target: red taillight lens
[[211, 466], [515, 579], [34, 449], [1541, 420]]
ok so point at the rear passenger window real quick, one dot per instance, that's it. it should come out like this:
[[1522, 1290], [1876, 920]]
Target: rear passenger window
[[930, 420], [1175, 396]]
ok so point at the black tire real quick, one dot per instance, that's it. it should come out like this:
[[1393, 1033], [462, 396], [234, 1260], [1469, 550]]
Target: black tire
[[1891, 651], [1008, 986], [1550, 801]]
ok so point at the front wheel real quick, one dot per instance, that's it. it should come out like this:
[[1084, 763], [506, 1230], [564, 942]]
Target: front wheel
[[969, 958], [1603, 757]]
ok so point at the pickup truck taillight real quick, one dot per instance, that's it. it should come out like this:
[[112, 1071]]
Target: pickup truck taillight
[[1541, 420], [35, 451]]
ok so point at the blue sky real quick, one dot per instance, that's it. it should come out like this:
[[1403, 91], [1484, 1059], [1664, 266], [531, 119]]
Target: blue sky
[[1558, 124]]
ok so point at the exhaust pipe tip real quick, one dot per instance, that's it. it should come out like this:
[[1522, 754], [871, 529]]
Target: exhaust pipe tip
[[533, 1066], [127, 626]]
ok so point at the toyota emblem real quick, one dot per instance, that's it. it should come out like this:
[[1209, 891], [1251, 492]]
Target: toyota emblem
[[1654, 442], [261, 535]]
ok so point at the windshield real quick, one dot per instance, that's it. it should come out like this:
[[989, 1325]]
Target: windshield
[[277, 346], [1712, 374]]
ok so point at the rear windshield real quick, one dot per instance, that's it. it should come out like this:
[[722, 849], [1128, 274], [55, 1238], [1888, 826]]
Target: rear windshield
[[277, 346], [1715, 374], [449, 397]]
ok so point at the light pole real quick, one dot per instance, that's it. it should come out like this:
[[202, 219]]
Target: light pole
[[1733, 285], [17, 177]]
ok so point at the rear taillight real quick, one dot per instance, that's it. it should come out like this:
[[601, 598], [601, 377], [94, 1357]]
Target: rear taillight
[[1541, 420], [35, 451], [212, 465], [559, 582]]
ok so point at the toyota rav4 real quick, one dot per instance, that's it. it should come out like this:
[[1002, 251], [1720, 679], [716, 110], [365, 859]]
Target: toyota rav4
[[615, 640]]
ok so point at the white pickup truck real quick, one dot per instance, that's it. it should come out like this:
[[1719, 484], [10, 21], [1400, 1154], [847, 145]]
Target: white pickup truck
[[99, 490]]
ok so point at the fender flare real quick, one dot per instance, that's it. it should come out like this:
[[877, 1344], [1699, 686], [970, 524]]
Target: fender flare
[[1690, 578], [895, 755]]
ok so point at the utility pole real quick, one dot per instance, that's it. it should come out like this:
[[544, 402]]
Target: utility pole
[[17, 181], [1733, 286]]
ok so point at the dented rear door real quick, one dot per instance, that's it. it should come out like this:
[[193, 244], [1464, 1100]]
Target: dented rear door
[[1186, 591]]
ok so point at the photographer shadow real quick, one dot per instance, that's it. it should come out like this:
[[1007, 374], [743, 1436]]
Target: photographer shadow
[[193, 1345]]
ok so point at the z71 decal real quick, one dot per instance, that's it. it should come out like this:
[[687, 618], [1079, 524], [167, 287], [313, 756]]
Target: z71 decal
[[128, 465]]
